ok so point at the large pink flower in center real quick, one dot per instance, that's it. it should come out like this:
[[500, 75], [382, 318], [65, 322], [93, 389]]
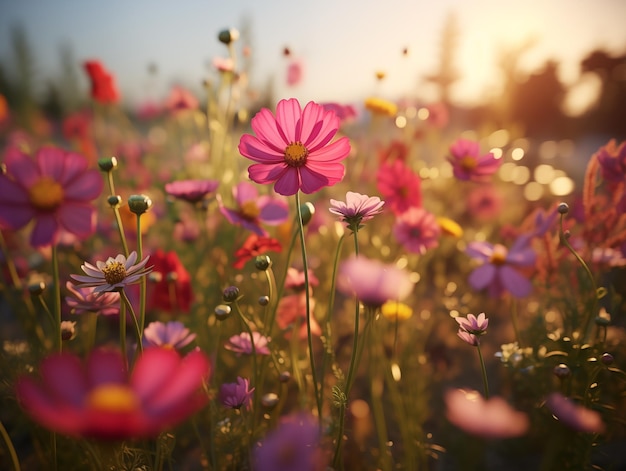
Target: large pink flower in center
[[293, 148]]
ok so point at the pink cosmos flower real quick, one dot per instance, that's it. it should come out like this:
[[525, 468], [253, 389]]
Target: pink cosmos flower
[[293, 149], [612, 160], [293, 446], [237, 395], [242, 345], [417, 230], [295, 71], [468, 338], [191, 191], [84, 300], [468, 164], [295, 279], [472, 324], [492, 418], [484, 202], [55, 189], [224, 64], [574, 416], [180, 99], [172, 334], [399, 186], [372, 281], [100, 399], [497, 271], [114, 274], [358, 208], [343, 112], [253, 210], [292, 309]]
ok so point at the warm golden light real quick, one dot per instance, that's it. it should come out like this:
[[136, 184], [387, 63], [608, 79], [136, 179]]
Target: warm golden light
[[562, 186]]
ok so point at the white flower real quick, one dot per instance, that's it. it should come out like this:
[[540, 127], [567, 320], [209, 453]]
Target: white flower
[[114, 274]]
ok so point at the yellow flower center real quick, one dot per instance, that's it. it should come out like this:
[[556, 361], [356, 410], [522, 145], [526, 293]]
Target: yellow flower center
[[468, 162], [114, 272], [396, 310], [113, 398], [46, 194], [498, 257], [250, 210], [296, 154]]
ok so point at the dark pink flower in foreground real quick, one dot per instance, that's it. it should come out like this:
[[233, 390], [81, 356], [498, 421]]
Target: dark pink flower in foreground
[[417, 230], [373, 282], [574, 416], [468, 164], [237, 395], [293, 148], [399, 186], [253, 210], [357, 209], [292, 446], [101, 399], [172, 334], [491, 418], [84, 300], [55, 189], [242, 344], [192, 191], [612, 160], [498, 270]]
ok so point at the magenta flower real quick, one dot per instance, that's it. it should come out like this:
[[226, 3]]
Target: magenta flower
[[612, 160], [492, 418], [417, 230], [100, 399], [253, 210], [497, 271], [114, 274], [343, 112], [295, 279], [472, 324], [293, 446], [192, 191], [399, 186], [372, 281], [237, 395], [574, 416], [358, 208], [84, 300], [55, 189], [172, 334], [468, 164], [293, 149], [241, 344]]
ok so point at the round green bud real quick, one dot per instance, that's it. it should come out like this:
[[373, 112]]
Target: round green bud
[[37, 288], [264, 300], [228, 36], [107, 164], [563, 208], [230, 294], [223, 312], [262, 262], [139, 204], [307, 210], [114, 201]]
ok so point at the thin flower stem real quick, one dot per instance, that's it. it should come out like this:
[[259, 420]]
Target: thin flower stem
[[123, 331], [255, 377], [46, 309], [305, 267], [484, 371], [9, 444], [116, 212], [376, 391], [355, 338], [271, 286], [127, 303], [142, 284], [57, 295]]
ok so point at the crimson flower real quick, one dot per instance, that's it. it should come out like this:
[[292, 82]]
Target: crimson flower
[[399, 186], [55, 189], [103, 87], [468, 164], [293, 148], [101, 399], [173, 290], [254, 246]]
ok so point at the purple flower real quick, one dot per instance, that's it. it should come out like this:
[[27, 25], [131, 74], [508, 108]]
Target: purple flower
[[293, 446], [612, 160], [574, 416], [468, 164], [192, 191], [84, 300], [472, 324], [372, 281], [358, 208], [497, 271], [237, 395], [171, 334], [114, 274], [417, 230], [252, 210], [241, 344]]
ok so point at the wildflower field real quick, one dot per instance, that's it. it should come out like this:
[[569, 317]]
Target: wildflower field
[[232, 281]]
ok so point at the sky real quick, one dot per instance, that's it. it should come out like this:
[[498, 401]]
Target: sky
[[341, 43]]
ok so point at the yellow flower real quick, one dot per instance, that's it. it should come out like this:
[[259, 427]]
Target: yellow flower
[[381, 107], [396, 310], [450, 227]]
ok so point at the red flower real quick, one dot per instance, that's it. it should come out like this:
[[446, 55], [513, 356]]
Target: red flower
[[173, 290], [253, 246], [103, 87]]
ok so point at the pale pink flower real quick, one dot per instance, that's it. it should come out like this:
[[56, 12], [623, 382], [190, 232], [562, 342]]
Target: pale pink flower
[[417, 230], [84, 300], [574, 416], [472, 324], [114, 274], [242, 345], [358, 208]]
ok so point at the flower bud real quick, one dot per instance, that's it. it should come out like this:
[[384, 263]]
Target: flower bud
[[562, 371], [269, 400], [36, 289], [114, 201], [607, 359], [139, 204], [262, 262], [172, 277], [264, 300], [107, 164], [307, 210], [563, 208], [228, 36], [602, 321], [230, 294], [284, 377], [223, 312], [155, 277], [68, 330]]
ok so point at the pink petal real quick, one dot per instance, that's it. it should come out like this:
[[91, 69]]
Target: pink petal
[[64, 377], [334, 152], [245, 191], [254, 149], [12, 192], [21, 167], [323, 132], [153, 371], [519, 286], [312, 123], [263, 174], [105, 366], [288, 183], [273, 212], [75, 165], [265, 127], [288, 115], [85, 187], [482, 276], [45, 230], [78, 219], [16, 216], [51, 162]]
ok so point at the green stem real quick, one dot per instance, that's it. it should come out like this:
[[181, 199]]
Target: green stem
[[123, 331], [255, 377], [9, 443], [305, 267], [116, 212], [57, 295], [484, 371], [376, 391], [142, 284], [138, 332]]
